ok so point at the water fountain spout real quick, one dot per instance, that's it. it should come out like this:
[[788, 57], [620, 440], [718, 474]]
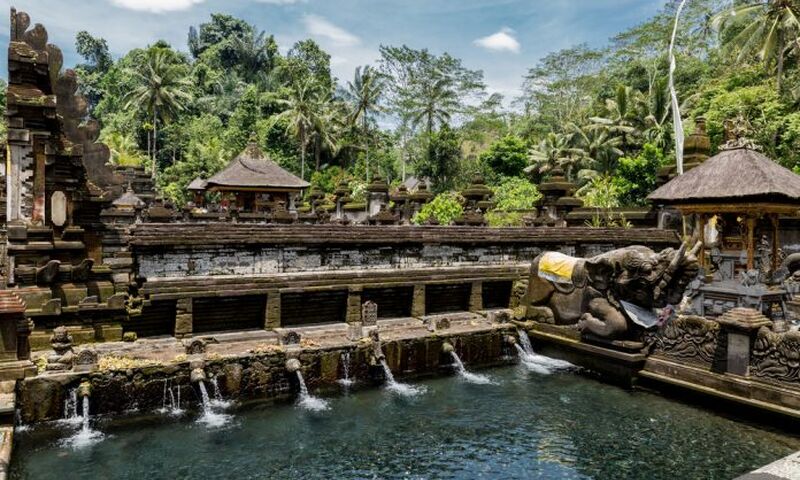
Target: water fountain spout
[[306, 400], [510, 339], [293, 365], [198, 375], [377, 357], [447, 347], [85, 389]]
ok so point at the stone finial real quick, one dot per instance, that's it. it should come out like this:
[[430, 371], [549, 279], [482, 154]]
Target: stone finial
[[743, 319], [128, 200]]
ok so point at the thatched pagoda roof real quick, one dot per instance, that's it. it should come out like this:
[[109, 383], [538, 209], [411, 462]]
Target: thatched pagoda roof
[[197, 184], [253, 170], [732, 176]]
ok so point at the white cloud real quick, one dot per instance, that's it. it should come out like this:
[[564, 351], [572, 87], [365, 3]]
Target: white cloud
[[321, 27], [156, 6], [502, 41]]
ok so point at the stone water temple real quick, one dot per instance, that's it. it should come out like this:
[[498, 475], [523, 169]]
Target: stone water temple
[[110, 293]]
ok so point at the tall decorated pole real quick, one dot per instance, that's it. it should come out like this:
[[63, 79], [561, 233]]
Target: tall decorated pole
[[676, 114]]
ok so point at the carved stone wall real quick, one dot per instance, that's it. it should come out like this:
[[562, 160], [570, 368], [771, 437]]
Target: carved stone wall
[[776, 356], [689, 339]]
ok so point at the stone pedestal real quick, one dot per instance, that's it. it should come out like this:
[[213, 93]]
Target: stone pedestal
[[741, 326], [273, 311], [353, 313], [184, 319], [418, 301], [476, 297], [369, 313]]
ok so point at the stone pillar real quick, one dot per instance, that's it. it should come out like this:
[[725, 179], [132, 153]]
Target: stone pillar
[[476, 297], [353, 304], [184, 318], [741, 326], [418, 301], [272, 314]]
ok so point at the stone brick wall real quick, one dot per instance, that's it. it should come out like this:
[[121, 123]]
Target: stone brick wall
[[288, 259]]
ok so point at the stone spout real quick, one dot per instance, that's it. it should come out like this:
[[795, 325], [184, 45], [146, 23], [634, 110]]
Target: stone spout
[[85, 389], [293, 365], [198, 375], [447, 347], [510, 339]]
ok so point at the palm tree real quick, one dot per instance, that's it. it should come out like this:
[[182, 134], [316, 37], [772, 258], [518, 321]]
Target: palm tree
[[598, 148], [435, 101], [223, 94], [304, 113], [773, 27], [554, 150], [620, 115], [162, 90], [254, 54], [364, 94]]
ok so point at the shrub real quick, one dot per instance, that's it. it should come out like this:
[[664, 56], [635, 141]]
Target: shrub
[[445, 208]]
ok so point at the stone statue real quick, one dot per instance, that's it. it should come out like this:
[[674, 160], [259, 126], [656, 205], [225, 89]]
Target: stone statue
[[602, 294], [61, 341]]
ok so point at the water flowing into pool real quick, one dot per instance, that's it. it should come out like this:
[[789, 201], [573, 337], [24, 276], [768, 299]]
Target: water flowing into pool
[[394, 386], [346, 381], [537, 363], [468, 376], [212, 415], [85, 436], [308, 401], [171, 399], [527, 426]]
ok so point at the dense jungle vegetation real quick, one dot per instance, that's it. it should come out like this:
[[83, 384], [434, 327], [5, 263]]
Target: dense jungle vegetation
[[602, 115]]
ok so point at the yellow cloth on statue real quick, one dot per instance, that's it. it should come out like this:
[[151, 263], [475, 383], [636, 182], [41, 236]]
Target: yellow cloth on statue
[[557, 267]]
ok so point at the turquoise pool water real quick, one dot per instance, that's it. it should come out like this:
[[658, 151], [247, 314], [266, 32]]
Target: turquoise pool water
[[524, 424]]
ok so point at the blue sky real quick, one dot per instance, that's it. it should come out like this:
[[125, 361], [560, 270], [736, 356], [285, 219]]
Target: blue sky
[[501, 37]]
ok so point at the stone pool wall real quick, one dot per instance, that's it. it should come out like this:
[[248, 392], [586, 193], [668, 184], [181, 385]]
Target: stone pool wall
[[260, 374]]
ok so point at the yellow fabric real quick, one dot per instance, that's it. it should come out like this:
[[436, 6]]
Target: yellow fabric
[[557, 267]]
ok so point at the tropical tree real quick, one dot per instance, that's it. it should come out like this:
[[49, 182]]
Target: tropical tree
[[363, 95], [598, 148], [162, 90], [302, 114], [124, 150], [620, 116], [772, 28], [554, 150]]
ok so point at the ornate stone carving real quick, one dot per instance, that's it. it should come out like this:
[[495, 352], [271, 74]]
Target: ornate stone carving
[[688, 338], [604, 294], [776, 356]]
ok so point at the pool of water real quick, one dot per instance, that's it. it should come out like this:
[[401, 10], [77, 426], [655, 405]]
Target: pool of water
[[522, 425]]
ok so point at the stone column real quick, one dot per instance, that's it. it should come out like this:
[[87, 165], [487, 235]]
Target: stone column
[[418, 301], [476, 297], [184, 321], [741, 326], [354, 304], [272, 313]]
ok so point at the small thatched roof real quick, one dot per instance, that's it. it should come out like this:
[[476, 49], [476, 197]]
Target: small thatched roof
[[197, 184], [736, 175], [252, 169]]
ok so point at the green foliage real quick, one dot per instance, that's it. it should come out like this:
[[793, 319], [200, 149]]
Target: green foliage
[[327, 179], [636, 176], [442, 160], [124, 151], [507, 156], [601, 192], [204, 156], [445, 208], [504, 219], [516, 194]]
